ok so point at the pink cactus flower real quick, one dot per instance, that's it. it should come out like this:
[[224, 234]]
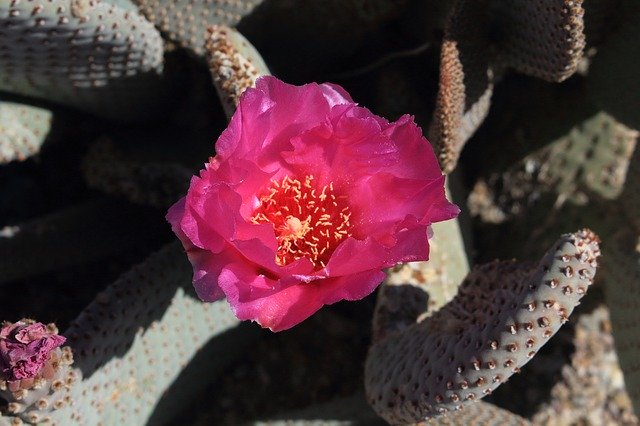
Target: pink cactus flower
[[25, 349], [308, 198]]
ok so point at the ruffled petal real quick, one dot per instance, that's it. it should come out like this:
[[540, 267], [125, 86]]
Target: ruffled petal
[[293, 302]]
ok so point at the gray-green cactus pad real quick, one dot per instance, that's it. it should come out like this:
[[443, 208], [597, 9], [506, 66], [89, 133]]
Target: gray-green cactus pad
[[148, 183], [186, 21], [134, 339], [403, 297], [91, 55], [541, 38], [504, 312], [23, 130], [75, 235]]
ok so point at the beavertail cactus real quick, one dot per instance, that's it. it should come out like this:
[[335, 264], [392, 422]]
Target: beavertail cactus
[[590, 162], [34, 370], [504, 312]]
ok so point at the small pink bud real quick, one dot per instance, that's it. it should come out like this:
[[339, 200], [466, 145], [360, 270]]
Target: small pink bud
[[25, 347]]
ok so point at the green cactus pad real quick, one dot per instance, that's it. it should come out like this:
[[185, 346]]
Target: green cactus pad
[[591, 389], [90, 55], [347, 411], [23, 130], [589, 162], [186, 21], [403, 297], [504, 312], [38, 399], [480, 414]]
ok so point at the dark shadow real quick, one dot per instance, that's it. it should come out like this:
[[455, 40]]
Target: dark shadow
[[304, 40], [353, 409], [398, 307], [81, 233], [526, 114]]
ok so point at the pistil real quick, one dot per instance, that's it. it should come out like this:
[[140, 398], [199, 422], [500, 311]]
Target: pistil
[[308, 221]]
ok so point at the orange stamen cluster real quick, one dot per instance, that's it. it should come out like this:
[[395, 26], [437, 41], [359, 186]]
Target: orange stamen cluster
[[308, 221]]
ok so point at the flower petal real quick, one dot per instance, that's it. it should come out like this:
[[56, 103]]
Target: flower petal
[[293, 303]]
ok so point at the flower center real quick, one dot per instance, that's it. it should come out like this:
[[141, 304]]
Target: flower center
[[309, 221]]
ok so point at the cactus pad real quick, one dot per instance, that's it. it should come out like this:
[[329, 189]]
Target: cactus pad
[[186, 21], [504, 312], [234, 63], [23, 130], [466, 81], [87, 54], [541, 38], [34, 398], [418, 288], [590, 161]]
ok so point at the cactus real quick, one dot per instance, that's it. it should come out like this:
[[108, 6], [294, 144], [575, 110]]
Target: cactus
[[503, 313], [23, 130], [575, 399], [234, 63], [468, 69], [404, 296], [131, 343], [588, 163], [550, 153], [37, 370], [99, 57]]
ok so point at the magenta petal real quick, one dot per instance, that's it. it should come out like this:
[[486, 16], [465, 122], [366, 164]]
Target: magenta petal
[[354, 256], [282, 309], [24, 349], [206, 271]]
